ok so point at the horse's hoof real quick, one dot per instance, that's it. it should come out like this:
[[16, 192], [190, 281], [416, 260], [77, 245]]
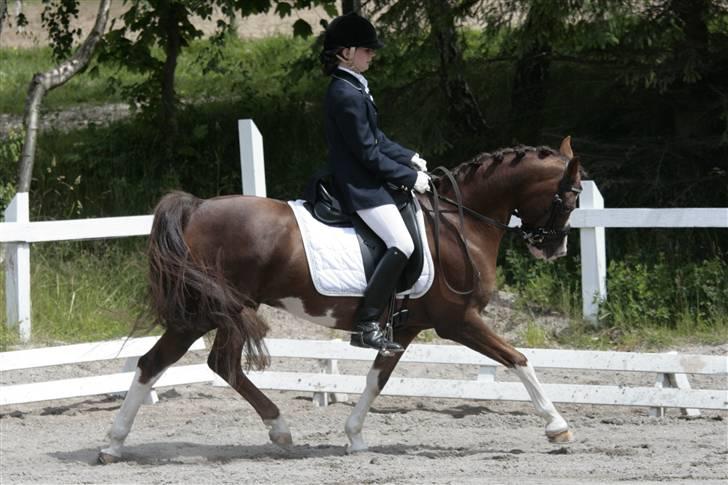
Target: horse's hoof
[[351, 449], [562, 437], [356, 445], [284, 440], [107, 459]]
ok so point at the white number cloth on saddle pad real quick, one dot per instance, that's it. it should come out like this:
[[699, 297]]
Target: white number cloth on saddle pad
[[334, 257]]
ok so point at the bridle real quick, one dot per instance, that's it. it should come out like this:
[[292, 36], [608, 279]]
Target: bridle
[[533, 236], [538, 236]]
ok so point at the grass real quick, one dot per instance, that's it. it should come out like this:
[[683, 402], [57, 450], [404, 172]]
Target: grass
[[81, 292], [17, 67], [88, 291], [256, 67]]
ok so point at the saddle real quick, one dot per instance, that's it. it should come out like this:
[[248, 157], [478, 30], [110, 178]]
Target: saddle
[[325, 208]]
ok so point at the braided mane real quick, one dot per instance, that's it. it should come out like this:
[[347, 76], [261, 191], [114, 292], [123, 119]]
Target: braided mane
[[466, 169]]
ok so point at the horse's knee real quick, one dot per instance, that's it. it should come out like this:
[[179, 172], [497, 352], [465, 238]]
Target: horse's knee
[[149, 366], [517, 358]]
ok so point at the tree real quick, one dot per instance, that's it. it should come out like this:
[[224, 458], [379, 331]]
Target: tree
[[3, 14], [44, 82], [464, 111], [167, 24], [348, 6], [431, 55]]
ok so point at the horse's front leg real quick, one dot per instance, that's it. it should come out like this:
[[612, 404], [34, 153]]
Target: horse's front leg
[[168, 350], [376, 379], [474, 333]]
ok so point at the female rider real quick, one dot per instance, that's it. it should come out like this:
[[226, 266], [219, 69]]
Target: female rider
[[369, 171]]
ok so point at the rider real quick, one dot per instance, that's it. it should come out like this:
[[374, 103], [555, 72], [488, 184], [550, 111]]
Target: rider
[[370, 172]]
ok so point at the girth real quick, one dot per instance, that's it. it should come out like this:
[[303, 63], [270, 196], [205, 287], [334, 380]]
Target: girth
[[326, 208]]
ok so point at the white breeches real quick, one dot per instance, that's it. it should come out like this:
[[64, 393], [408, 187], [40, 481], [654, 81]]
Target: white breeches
[[387, 223]]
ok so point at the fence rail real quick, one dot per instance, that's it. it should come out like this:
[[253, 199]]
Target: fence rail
[[325, 350]]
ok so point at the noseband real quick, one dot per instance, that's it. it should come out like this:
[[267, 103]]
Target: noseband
[[533, 236], [538, 236]]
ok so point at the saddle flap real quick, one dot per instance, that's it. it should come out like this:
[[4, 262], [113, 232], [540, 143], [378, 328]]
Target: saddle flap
[[326, 209]]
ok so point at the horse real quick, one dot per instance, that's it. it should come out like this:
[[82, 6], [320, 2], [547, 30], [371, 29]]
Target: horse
[[213, 262]]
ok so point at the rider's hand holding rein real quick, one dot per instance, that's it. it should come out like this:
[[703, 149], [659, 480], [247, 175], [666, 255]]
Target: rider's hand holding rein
[[422, 184], [419, 163]]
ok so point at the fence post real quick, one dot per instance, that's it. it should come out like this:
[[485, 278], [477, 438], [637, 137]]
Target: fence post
[[593, 256], [252, 165], [679, 381], [17, 270]]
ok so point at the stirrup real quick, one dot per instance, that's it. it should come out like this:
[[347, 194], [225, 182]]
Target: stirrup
[[375, 340]]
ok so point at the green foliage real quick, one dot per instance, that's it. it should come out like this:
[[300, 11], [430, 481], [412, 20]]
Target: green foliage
[[661, 294], [75, 300], [542, 286], [57, 18], [534, 336], [11, 148]]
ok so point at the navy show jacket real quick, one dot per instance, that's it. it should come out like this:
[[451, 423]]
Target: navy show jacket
[[362, 160]]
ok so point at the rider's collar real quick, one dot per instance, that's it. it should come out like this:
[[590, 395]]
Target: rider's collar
[[362, 80]]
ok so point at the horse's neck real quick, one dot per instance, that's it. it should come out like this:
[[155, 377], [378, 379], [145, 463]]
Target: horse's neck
[[494, 196]]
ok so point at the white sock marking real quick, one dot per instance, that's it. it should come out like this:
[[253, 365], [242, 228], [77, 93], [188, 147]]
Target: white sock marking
[[125, 418], [355, 422], [544, 407]]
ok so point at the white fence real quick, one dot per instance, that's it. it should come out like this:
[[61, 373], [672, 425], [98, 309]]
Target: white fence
[[669, 367], [17, 233]]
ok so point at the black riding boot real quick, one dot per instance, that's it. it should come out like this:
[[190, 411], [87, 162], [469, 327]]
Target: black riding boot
[[376, 298]]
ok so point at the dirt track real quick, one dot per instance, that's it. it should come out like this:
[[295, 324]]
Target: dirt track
[[205, 434]]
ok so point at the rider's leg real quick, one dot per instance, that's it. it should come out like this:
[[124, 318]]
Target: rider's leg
[[387, 223]]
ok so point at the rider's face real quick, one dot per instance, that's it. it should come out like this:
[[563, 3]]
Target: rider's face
[[357, 58]]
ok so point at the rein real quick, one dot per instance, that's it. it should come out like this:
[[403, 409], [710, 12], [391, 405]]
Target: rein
[[532, 236], [461, 234]]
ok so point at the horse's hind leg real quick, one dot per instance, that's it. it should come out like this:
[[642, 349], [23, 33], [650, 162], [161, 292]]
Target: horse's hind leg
[[376, 379], [225, 360], [168, 350], [475, 334]]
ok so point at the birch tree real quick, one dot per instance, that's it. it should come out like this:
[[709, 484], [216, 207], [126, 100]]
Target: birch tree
[[43, 82]]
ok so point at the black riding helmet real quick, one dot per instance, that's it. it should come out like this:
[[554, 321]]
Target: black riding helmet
[[351, 30]]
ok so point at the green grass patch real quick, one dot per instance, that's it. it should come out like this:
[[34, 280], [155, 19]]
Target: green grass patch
[[204, 72], [17, 67], [82, 292]]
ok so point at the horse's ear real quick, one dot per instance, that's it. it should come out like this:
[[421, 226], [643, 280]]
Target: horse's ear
[[565, 148], [572, 169]]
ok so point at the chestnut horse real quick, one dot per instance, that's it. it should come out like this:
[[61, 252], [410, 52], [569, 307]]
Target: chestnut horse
[[213, 262]]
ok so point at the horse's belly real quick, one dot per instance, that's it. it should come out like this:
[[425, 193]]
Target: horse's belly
[[322, 316]]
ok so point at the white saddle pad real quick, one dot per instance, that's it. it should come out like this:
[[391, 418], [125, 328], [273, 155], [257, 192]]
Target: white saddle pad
[[335, 261]]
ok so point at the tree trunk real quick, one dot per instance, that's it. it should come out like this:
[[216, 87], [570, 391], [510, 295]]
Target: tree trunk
[[3, 14], [44, 82], [19, 24], [530, 77], [170, 13], [463, 109], [529, 93], [348, 6], [690, 100]]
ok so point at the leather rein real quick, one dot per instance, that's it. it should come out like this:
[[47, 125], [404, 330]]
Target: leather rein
[[534, 236]]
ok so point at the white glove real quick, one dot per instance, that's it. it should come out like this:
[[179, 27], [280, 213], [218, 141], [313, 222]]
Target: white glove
[[419, 163], [422, 184]]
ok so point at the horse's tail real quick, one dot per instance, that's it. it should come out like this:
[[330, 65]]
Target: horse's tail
[[189, 295]]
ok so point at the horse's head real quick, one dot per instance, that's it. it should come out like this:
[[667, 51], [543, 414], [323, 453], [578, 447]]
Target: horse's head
[[546, 203]]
